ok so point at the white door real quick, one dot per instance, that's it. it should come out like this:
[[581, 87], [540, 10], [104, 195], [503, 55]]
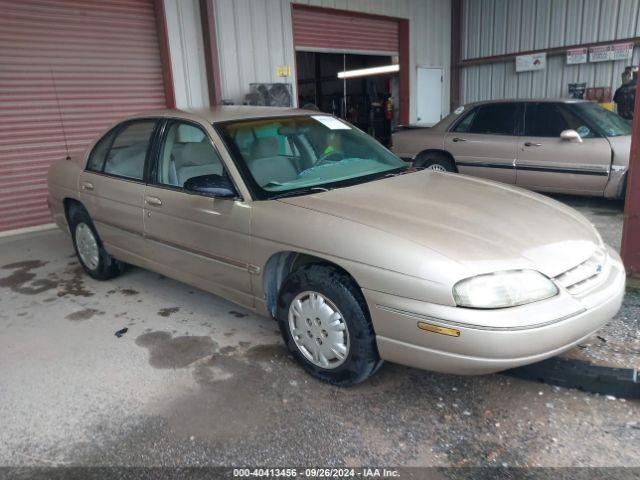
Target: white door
[[429, 96]]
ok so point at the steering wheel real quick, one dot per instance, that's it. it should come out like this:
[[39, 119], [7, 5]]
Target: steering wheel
[[333, 156]]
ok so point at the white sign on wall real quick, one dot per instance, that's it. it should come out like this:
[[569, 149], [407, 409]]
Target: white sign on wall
[[527, 63], [600, 53], [577, 56], [605, 53], [622, 51]]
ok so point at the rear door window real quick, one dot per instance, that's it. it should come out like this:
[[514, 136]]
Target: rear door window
[[464, 124], [126, 157], [99, 152], [496, 119]]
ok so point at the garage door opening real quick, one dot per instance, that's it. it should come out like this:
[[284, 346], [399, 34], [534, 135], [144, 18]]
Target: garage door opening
[[363, 96], [328, 41]]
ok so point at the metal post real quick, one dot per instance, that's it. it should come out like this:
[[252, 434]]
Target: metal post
[[631, 226]]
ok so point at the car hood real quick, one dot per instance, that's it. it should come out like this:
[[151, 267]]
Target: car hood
[[486, 226]]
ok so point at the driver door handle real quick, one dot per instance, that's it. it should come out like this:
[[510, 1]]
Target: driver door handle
[[458, 139], [153, 201], [530, 144]]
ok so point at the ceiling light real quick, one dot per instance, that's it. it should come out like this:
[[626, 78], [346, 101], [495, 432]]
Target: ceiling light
[[365, 72]]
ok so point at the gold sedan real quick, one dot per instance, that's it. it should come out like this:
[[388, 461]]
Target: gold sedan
[[299, 216]]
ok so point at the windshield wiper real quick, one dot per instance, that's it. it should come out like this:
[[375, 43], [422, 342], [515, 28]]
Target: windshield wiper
[[299, 191]]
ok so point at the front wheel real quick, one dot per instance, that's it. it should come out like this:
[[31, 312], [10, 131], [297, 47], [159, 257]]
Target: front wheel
[[325, 324]]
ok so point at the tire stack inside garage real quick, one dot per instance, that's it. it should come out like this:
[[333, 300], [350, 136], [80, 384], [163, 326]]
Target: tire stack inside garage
[[68, 69]]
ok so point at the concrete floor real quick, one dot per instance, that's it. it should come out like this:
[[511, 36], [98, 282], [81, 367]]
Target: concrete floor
[[197, 380]]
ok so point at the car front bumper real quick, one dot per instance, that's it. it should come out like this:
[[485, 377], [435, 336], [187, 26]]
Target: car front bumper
[[492, 340]]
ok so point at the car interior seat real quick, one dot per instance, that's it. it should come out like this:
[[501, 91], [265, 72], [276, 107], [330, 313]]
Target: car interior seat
[[266, 163], [196, 155]]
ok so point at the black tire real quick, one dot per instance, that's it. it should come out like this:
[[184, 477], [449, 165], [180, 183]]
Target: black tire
[[107, 267], [362, 358], [435, 159]]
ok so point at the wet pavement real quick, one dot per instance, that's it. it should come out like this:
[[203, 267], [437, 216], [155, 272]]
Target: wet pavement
[[196, 380]]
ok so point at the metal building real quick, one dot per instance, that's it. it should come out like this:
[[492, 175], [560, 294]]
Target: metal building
[[496, 31]]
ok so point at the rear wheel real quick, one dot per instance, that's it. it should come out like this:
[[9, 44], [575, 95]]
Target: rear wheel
[[325, 324], [436, 161], [93, 257]]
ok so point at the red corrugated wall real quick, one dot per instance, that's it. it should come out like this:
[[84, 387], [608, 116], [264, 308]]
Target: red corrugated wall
[[67, 68], [316, 28]]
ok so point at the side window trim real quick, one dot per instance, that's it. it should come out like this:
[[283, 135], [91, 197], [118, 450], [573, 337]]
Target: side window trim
[[117, 130]]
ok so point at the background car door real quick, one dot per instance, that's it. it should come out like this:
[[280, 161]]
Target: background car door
[[112, 187], [196, 238], [548, 163], [484, 142]]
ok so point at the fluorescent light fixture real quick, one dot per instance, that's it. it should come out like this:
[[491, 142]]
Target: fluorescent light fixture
[[365, 72]]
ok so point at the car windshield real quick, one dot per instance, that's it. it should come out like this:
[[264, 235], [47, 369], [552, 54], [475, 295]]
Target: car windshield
[[609, 123], [303, 153]]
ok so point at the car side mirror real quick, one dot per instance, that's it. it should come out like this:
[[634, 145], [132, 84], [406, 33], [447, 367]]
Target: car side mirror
[[218, 186], [571, 136]]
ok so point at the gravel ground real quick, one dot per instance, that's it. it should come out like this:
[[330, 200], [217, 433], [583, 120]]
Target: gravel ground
[[618, 343], [198, 381]]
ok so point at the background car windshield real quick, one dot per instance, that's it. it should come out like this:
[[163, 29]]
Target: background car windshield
[[291, 153], [611, 124]]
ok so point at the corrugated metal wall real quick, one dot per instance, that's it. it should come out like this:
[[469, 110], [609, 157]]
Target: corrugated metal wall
[[255, 36], [495, 27], [184, 29], [67, 70]]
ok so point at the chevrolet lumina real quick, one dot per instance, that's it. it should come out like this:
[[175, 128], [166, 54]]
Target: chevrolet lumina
[[562, 146], [300, 216]]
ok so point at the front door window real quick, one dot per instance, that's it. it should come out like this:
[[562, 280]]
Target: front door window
[[187, 152]]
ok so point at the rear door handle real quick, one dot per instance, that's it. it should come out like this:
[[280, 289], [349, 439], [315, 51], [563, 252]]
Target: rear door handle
[[87, 186], [458, 139], [153, 201], [530, 144]]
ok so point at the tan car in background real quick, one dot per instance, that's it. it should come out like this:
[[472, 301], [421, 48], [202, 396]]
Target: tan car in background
[[561, 146], [299, 216]]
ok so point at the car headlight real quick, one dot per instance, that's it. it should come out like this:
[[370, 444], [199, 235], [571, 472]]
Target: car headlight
[[503, 289]]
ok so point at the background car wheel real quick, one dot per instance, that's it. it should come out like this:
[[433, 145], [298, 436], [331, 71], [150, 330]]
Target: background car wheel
[[325, 324], [93, 257], [435, 161]]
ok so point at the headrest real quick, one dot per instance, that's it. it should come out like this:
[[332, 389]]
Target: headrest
[[265, 147], [201, 153], [188, 134]]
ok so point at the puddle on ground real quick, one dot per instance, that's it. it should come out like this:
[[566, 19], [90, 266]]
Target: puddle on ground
[[237, 314], [167, 311], [166, 351], [128, 292], [22, 280], [84, 314], [73, 285], [265, 353]]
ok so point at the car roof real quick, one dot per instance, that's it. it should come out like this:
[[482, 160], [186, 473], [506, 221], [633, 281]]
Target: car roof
[[529, 100], [227, 112]]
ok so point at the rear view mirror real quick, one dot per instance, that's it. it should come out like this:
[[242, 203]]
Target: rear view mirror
[[571, 136], [218, 186]]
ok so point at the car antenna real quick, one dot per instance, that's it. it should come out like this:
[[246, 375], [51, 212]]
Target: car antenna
[[55, 91]]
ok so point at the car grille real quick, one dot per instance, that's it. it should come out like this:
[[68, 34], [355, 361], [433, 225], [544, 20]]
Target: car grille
[[585, 276]]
